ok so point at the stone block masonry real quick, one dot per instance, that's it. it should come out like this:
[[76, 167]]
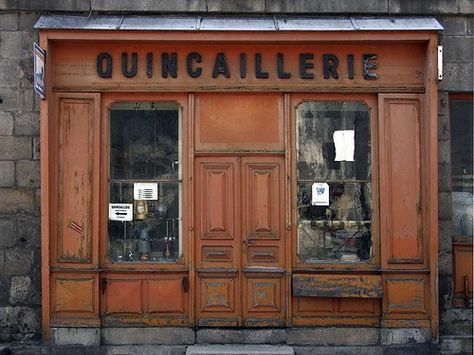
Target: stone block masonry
[[20, 262]]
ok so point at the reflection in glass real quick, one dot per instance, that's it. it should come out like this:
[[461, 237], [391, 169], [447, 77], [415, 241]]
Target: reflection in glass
[[144, 143], [333, 147], [317, 123], [145, 148], [340, 231], [461, 112], [153, 234]]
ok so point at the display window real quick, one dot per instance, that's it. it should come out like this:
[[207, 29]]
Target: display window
[[145, 183], [461, 128], [334, 182], [461, 113]]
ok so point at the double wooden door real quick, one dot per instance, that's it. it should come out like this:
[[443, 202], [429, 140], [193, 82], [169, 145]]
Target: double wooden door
[[240, 241]]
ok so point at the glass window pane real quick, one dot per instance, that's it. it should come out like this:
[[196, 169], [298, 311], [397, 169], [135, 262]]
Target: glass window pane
[[317, 123], [340, 231], [145, 175], [154, 233], [143, 143], [461, 112], [334, 156]]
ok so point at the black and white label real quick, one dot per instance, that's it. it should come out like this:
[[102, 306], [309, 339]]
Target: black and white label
[[121, 212], [145, 191]]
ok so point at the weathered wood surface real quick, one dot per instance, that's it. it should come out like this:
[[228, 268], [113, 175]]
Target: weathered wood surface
[[357, 286]]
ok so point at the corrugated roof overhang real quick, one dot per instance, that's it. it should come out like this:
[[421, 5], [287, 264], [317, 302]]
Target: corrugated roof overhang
[[203, 23]]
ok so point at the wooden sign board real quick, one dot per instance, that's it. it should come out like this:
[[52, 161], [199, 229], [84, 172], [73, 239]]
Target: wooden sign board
[[230, 66]]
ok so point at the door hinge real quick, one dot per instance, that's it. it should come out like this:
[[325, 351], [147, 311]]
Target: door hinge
[[185, 284]]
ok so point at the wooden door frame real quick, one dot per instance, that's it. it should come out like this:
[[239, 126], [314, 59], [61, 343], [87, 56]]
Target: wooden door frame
[[238, 162], [108, 99], [182, 267]]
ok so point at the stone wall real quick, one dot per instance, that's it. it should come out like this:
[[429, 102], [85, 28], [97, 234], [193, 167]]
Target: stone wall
[[20, 262], [457, 41]]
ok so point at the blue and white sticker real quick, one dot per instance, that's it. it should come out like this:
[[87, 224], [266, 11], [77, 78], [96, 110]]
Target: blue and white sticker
[[320, 194]]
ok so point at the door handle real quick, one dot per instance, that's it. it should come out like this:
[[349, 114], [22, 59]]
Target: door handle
[[185, 284], [249, 241]]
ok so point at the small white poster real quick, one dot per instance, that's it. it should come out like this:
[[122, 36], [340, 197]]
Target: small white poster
[[344, 143], [121, 212], [39, 76], [320, 194], [145, 191]]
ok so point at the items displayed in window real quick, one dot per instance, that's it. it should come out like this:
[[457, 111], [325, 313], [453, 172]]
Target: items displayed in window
[[334, 182], [145, 174]]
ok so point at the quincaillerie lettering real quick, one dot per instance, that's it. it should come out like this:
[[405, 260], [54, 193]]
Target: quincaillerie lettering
[[167, 65]]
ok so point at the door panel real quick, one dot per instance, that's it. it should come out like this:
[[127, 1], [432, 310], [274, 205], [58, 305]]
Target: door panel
[[217, 241], [263, 255], [216, 203], [262, 189], [401, 181], [217, 294], [217, 298], [77, 126], [261, 196], [239, 246], [217, 182]]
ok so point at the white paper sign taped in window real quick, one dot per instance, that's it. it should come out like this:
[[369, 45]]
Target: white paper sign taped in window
[[145, 191], [320, 194], [344, 143], [121, 212]]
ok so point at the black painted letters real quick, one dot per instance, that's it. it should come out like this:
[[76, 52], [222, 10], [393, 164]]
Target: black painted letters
[[350, 66], [330, 63], [149, 65], [368, 65], [104, 58], [169, 65], [304, 66], [129, 73], [281, 73], [220, 66], [243, 65], [259, 74], [193, 72], [224, 65]]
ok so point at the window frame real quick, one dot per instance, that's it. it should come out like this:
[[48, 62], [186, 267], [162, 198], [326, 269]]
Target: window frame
[[370, 101], [456, 97], [108, 101]]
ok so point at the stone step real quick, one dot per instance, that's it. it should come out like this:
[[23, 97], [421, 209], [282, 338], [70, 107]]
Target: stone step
[[237, 349], [456, 344]]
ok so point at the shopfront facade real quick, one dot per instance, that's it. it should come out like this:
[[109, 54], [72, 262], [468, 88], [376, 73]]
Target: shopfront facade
[[253, 173]]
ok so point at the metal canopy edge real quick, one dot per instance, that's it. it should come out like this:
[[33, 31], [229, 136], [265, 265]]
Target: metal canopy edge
[[275, 23]]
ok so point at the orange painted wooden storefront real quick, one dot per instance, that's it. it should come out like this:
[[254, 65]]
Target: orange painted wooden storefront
[[239, 264]]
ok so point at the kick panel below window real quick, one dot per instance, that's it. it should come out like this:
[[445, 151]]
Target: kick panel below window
[[144, 183], [334, 189]]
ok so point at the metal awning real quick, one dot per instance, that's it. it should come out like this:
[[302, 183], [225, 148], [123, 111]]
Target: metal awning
[[204, 23]]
